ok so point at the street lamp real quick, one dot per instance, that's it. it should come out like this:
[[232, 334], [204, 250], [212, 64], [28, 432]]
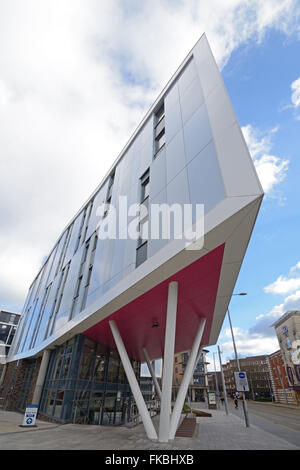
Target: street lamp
[[238, 365], [223, 382], [217, 385]]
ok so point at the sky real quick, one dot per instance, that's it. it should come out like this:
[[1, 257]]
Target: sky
[[76, 78]]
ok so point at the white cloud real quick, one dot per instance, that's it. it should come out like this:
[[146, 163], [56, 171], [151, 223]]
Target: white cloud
[[285, 284], [291, 302], [250, 344], [261, 337], [295, 87], [270, 169], [247, 343], [75, 80]]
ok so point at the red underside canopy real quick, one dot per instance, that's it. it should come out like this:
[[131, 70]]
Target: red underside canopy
[[197, 290]]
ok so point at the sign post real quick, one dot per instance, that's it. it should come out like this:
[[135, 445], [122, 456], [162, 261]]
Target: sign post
[[30, 416], [212, 404], [238, 365], [241, 381]]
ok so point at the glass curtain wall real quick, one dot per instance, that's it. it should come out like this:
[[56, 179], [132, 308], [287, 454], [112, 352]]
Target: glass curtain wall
[[86, 383]]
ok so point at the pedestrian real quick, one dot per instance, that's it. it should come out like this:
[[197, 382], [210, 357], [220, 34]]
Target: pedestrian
[[236, 403]]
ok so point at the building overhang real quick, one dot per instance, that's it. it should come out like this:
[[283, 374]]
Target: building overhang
[[206, 279], [205, 284]]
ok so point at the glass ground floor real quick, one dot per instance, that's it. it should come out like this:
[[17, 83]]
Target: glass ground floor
[[86, 383]]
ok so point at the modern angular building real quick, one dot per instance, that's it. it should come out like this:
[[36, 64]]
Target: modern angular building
[[100, 305]]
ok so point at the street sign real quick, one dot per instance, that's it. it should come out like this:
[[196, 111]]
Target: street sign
[[212, 403], [241, 381], [212, 398], [30, 415]]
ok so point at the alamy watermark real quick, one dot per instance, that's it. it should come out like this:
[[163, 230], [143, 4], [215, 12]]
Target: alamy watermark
[[152, 221]]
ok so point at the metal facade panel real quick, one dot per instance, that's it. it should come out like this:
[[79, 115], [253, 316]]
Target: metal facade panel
[[203, 151]]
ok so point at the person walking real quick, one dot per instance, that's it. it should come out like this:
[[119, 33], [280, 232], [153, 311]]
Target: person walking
[[236, 402]]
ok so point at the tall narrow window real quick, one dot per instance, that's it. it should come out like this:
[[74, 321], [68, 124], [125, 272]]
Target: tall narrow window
[[40, 316], [84, 276], [159, 130], [109, 193], [86, 222], [65, 273], [57, 299], [64, 249], [89, 274], [141, 252], [75, 306], [80, 230]]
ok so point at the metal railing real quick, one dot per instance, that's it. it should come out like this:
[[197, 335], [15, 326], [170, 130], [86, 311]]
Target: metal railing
[[153, 407]]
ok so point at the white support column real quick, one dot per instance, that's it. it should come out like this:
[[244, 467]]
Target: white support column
[[152, 372], [165, 406], [41, 378], [186, 380], [140, 402]]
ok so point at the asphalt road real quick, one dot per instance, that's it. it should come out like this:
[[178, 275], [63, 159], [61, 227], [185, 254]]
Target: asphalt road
[[280, 421]]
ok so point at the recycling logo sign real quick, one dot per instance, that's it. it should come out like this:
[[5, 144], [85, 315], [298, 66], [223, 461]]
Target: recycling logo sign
[[30, 415]]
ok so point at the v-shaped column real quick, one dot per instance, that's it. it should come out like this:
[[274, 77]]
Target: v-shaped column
[[191, 365], [140, 402], [168, 360]]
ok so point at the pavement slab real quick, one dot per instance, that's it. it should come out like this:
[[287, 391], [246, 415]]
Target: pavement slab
[[218, 432]]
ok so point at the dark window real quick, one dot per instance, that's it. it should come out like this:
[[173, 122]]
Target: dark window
[[159, 131], [113, 367], [109, 194], [145, 188], [11, 318], [80, 230], [87, 359], [100, 363], [141, 254]]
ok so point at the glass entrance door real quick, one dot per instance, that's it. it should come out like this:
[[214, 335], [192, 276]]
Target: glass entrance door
[[95, 409]]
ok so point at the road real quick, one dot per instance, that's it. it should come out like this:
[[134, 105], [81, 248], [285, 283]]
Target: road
[[280, 421]]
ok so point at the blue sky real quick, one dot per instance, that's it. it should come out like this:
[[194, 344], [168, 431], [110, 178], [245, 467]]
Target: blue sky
[[76, 81], [258, 78]]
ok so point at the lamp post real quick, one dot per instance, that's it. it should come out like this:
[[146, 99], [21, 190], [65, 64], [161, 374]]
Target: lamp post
[[223, 382], [245, 408], [217, 385]]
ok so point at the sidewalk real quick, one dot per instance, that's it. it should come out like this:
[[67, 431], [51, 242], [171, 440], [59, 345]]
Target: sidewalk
[[216, 433], [10, 423]]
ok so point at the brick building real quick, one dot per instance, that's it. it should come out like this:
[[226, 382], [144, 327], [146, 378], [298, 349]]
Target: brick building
[[258, 374], [287, 328], [279, 379]]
